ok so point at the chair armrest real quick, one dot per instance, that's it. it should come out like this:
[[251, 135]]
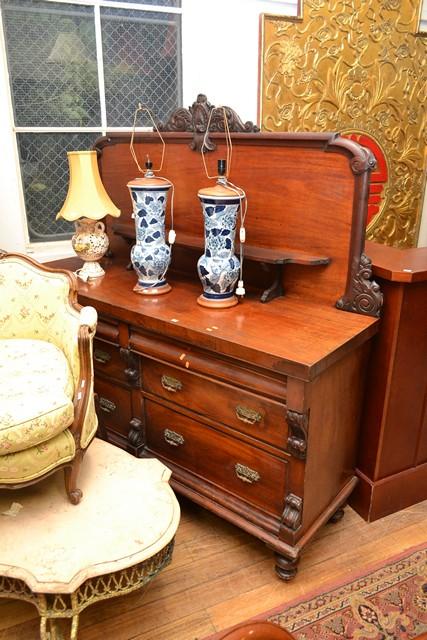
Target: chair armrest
[[83, 397], [89, 317]]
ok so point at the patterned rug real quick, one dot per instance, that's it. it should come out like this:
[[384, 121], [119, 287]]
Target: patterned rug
[[388, 602]]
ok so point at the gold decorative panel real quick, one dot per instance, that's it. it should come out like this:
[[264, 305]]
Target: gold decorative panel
[[359, 68]]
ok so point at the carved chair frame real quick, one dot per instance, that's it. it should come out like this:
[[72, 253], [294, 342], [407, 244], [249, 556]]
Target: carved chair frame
[[82, 392]]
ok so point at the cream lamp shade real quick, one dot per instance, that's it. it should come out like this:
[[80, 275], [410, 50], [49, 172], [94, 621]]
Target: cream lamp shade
[[86, 203], [86, 197]]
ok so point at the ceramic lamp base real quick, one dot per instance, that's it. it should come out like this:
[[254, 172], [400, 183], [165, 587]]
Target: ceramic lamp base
[[152, 291], [223, 303], [91, 270]]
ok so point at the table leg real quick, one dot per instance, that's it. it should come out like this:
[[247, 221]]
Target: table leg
[[50, 630]]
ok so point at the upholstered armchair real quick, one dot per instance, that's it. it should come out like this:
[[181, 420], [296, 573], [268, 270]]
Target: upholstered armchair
[[47, 411]]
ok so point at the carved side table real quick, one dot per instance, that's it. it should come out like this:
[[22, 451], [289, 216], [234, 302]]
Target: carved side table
[[62, 558]]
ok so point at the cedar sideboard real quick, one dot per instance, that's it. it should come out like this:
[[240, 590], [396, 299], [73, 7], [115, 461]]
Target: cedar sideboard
[[256, 408]]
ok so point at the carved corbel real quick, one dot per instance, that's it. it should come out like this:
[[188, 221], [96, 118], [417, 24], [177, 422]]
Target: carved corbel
[[292, 515], [297, 433], [136, 434], [132, 369], [365, 294], [196, 119]]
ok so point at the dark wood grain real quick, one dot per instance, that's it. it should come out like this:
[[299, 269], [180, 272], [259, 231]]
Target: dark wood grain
[[393, 443], [315, 204], [314, 335], [245, 411], [219, 455]]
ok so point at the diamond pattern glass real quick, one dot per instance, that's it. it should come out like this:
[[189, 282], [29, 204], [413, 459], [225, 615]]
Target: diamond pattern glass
[[51, 53], [45, 176], [142, 63], [52, 63]]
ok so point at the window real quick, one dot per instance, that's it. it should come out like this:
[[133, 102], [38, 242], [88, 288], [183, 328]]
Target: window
[[77, 70]]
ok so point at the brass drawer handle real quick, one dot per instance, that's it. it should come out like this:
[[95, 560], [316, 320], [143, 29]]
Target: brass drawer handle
[[173, 438], [250, 416], [107, 405], [171, 384], [245, 474], [101, 356]]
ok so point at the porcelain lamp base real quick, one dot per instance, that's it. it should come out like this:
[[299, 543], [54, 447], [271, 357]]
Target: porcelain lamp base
[[91, 270], [90, 242], [222, 303], [152, 291]]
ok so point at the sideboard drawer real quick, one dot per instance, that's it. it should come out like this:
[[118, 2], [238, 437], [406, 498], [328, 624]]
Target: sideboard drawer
[[107, 360], [253, 475], [247, 412], [114, 406]]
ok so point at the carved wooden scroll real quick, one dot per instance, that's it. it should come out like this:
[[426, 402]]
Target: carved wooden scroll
[[365, 294], [297, 438], [292, 515], [196, 117], [362, 295]]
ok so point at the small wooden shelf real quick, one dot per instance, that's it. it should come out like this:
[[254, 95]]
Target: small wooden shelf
[[262, 255]]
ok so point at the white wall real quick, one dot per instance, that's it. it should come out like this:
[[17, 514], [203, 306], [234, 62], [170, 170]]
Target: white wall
[[220, 51]]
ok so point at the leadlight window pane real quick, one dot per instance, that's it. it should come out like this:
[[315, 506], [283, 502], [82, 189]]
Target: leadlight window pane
[[142, 63], [45, 176], [52, 63]]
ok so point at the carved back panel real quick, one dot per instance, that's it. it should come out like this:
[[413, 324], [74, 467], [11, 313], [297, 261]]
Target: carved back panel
[[306, 192]]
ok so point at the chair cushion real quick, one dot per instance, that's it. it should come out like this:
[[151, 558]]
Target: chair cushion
[[36, 393], [25, 466]]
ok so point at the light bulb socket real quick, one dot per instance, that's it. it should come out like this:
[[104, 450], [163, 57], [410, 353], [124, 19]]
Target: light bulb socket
[[222, 167]]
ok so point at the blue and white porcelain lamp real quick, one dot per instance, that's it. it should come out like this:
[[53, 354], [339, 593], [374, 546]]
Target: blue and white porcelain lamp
[[151, 254], [218, 267]]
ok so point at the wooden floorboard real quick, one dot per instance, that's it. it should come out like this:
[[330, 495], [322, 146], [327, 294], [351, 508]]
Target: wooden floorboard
[[221, 576]]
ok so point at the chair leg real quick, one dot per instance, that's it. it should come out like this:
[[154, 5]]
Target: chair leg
[[71, 473]]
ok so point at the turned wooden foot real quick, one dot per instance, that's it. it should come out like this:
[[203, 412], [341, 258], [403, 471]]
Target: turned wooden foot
[[70, 475], [286, 568], [338, 515]]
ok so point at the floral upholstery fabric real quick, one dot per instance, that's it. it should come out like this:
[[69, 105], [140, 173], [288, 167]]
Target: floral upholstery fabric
[[36, 393], [35, 305], [24, 466], [39, 372]]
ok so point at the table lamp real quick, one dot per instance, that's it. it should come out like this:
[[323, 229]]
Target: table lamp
[[151, 255], [86, 203]]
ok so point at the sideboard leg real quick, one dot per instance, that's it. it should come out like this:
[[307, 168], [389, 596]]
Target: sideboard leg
[[286, 568], [337, 516]]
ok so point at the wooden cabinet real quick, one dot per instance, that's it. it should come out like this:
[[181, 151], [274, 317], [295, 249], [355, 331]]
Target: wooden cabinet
[[271, 451], [392, 458], [116, 380], [255, 408]]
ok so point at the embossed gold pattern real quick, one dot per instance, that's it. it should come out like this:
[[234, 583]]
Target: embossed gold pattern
[[355, 66]]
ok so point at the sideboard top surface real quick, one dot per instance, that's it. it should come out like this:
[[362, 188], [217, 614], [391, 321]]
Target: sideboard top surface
[[289, 335]]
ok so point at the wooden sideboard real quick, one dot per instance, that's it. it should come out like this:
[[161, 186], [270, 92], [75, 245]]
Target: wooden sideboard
[[256, 408], [392, 459]]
